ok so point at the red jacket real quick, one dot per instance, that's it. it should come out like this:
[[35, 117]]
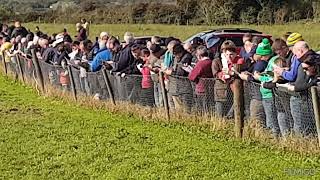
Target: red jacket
[[146, 78], [201, 70]]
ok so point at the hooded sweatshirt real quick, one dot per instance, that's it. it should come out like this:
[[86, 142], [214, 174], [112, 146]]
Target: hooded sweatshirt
[[267, 93]]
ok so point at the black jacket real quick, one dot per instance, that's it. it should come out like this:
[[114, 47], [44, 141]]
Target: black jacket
[[132, 68], [48, 54], [125, 58], [19, 31], [59, 57], [179, 64], [303, 81]]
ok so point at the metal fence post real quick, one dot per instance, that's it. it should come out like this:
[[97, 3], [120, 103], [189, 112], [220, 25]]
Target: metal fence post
[[108, 84], [316, 109], [164, 94], [20, 68], [4, 64], [38, 69], [73, 87], [238, 99]]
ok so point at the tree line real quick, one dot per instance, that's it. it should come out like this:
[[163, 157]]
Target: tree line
[[196, 12]]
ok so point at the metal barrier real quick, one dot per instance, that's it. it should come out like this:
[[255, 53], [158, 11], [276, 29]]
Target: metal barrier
[[283, 114]]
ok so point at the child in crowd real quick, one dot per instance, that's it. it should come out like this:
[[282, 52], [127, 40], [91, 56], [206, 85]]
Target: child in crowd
[[146, 70]]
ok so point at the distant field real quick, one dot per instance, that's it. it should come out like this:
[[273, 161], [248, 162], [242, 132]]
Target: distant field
[[46, 138], [310, 31]]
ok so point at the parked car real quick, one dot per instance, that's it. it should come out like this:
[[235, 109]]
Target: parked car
[[144, 39], [214, 38]]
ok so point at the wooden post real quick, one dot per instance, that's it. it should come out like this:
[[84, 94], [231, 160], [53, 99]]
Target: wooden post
[[38, 69], [20, 68], [108, 84], [72, 84], [238, 101], [4, 64], [164, 94], [316, 109]]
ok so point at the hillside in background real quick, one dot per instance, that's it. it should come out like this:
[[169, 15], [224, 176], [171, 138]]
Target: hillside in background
[[18, 5], [209, 12]]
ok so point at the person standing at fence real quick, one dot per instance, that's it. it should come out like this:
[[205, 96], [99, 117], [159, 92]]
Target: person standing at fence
[[257, 105], [275, 120], [132, 74], [167, 64], [104, 54], [125, 58], [222, 71], [180, 86], [200, 74], [99, 44], [147, 93], [247, 51], [48, 52], [61, 54], [8, 53], [155, 62], [125, 55], [75, 55], [168, 56], [306, 77], [269, 82], [291, 74]]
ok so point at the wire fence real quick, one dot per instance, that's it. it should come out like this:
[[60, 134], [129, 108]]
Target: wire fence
[[283, 113]]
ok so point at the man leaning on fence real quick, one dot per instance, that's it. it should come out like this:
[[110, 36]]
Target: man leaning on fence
[[200, 75], [306, 77]]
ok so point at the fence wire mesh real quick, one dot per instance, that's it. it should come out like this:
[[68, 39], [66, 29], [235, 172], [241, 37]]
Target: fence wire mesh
[[298, 115], [283, 112], [55, 76], [27, 68], [207, 96], [136, 89]]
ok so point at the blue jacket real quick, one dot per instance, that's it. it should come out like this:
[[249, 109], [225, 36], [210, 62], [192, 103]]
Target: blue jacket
[[292, 74], [168, 59], [102, 55]]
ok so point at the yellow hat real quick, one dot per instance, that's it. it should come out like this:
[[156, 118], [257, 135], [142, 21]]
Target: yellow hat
[[294, 38], [6, 46]]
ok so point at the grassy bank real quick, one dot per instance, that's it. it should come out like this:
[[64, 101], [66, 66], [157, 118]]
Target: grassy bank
[[310, 31], [43, 138]]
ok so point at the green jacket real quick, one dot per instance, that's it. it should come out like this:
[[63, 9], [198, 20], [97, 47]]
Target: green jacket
[[265, 77]]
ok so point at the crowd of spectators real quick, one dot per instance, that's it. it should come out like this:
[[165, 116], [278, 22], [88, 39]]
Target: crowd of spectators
[[190, 70]]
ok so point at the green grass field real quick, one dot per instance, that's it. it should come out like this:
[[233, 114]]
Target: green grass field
[[310, 31], [46, 138]]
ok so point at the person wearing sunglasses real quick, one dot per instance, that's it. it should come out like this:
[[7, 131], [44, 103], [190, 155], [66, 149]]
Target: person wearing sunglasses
[[307, 76]]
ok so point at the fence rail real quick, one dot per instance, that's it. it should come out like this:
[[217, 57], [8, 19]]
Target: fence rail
[[286, 112]]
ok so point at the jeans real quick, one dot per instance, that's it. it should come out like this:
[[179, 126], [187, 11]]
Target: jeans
[[204, 103], [303, 122], [120, 88], [271, 119], [134, 91], [284, 123], [219, 108], [257, 111], [182, 103], [85, 85]]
